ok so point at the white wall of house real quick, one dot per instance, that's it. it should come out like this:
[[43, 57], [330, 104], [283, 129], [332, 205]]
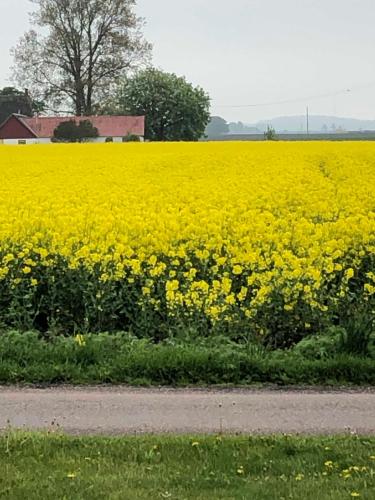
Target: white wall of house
[[97, 140], [104, 139], [26, 141]]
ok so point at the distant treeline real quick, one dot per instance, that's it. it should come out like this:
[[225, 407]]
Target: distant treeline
[[291, 128], [346, 136]]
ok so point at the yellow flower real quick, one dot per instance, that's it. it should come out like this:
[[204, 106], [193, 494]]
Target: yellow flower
[[8, 258], [172, 286], [80, 340], [349, 273], [221, 229], [240, 470], [237, 270], [355, 494], [230, 299], [71, 475], [369, 289]]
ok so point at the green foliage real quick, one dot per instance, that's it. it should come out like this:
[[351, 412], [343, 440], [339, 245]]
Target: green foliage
[[66, 131], [359, 327], [356, 314], [328, 344], [53, 297], [14, 101], [122, 358], [69, 131], [215, 467], [216, 127], [174, 109], [131, 138], [86, 130], [270, 134]]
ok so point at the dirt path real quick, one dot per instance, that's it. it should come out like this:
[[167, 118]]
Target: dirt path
[[126, 410]]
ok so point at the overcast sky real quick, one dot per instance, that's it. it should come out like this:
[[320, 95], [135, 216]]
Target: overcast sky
[[254, 51]]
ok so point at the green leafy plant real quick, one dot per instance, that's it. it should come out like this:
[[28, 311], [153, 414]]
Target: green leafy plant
[[270, 134], [131, 138], [123, 358], [319, 346], [69, 131], [359, 329]]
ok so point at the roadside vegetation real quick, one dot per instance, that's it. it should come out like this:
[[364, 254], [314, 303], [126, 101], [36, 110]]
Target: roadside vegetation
[[125, 359], [58, 467]]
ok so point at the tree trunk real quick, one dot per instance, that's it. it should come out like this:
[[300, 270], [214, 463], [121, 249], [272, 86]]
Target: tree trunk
[[89, 110], [80, 99]]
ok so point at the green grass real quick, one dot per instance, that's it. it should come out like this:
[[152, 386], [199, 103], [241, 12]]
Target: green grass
[[122, 359], [36, 466]]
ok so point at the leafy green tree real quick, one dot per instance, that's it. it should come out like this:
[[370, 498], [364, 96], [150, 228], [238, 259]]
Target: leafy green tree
[[14, 101], [69, 131], [217, 126], [174, 109], [270, 134], [86, 130], [66, 131]]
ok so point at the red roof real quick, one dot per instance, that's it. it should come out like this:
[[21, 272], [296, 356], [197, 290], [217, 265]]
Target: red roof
[[108, 126]]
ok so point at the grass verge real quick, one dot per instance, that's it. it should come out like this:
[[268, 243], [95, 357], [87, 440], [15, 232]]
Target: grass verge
[[122, 359], [58, 467]]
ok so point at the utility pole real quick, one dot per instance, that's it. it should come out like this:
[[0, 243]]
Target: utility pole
[[307, 121]]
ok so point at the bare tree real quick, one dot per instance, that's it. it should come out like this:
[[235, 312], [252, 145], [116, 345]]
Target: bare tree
[[78, 51]]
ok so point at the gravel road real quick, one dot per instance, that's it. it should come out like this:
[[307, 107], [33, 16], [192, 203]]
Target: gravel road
[[120, 410]]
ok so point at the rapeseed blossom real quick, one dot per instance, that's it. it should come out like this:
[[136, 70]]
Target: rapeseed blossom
[[225, 231]]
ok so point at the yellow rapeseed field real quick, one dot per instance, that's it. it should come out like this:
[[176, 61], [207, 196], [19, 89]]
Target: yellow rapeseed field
[[226, 231]]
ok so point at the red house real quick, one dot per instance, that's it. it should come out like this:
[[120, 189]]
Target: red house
[[19, 129]]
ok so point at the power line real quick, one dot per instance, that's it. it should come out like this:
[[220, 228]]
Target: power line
[[299, 99], [288, 101]]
